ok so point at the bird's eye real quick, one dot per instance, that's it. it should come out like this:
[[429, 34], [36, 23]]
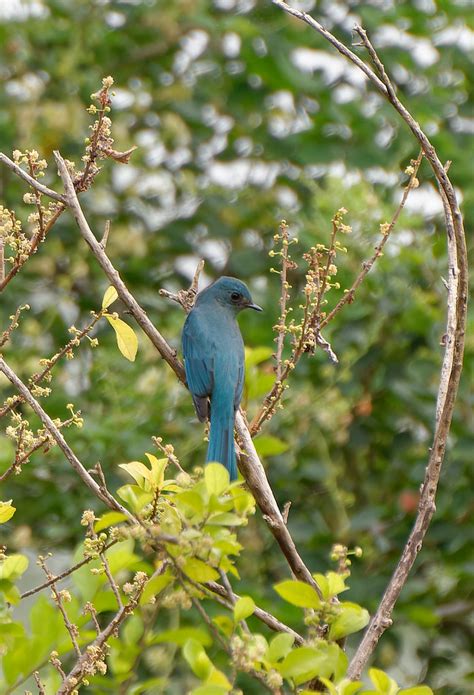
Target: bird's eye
[[235, 296]]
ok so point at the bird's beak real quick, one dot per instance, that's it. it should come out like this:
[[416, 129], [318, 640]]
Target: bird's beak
[[254, 306]]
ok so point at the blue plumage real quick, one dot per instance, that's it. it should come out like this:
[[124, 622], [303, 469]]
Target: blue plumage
[[213, 352]]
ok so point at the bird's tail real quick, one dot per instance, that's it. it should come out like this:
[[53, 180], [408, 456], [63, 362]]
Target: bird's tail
[[221, 442]]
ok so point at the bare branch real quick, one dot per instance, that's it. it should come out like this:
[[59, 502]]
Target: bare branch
[[187, 297], [454, 343], [40, 187], [265, 617], [63, 575], [39, 684], [168, 354]]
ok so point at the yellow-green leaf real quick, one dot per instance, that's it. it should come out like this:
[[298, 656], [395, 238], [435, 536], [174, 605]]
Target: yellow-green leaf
[[109, 297], [138, 471], [216, 478], [108, 519], [13, 566], [127, 341], [155, 586], [6, 511], [298, 593], [351, 619], [196, 656], [158, 466], [244, 607], [199, 571]]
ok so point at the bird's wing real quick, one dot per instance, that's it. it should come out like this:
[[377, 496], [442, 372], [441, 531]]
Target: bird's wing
[[198, 364], [239, 387]]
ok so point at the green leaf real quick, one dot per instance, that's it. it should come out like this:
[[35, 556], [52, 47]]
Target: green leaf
[[110, 296], [210, 690], [13, 566], [336, 584], [383, 683], [197, 658], [225, 624], [256, 355], [198, 570], [139, 472], [302, 664], [216, 477], [134, 497], [157, 473], [155, 586], [298, 593], [108, 519], [280, 646], [266, 445], [10, 592], [243, 608], [182, 634], [417, 690], [351, 619], [6, 511], [127, 341]]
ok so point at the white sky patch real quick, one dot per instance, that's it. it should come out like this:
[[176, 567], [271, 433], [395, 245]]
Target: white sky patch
[[215, 251], [231, 43], [422, 50], [332, 66], [22, 10], [122, 98], [458, 35], [424, 201], [241, 172]]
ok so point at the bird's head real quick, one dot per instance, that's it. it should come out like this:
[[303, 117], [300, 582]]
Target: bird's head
[[231, 293]]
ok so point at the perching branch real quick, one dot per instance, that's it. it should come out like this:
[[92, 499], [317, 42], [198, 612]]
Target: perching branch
[[250, 465], [454, 343]]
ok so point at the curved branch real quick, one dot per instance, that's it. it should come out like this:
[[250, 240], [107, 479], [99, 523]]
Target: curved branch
[[454, 343]]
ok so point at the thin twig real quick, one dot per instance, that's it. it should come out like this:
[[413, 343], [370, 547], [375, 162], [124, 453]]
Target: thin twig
[[187, 297], [58, 599], [39, 684], [63, 575], [265, 617], [348, 297], [51, 363], [40, 187], [35, 241], [106, 566]]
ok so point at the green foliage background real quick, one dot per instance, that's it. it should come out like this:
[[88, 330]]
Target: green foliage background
[[232, 136]]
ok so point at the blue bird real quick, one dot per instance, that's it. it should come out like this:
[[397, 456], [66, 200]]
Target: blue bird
[[214, 358]]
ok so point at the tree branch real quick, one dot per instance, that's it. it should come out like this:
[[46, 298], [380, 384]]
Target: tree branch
[[454, 344], [40, 187], [250, 465]]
